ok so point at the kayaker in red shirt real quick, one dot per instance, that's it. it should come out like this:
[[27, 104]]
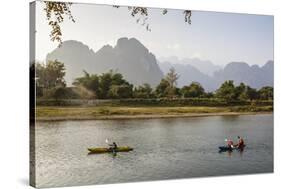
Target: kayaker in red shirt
[[230, 143]]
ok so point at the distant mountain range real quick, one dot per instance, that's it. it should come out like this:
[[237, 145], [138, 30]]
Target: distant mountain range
[[132, 59], [205, 66], [129, 57], [253, 76], [188, 74]]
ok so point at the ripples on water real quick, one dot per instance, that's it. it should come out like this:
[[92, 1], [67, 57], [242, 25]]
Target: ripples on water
[[163, 149]]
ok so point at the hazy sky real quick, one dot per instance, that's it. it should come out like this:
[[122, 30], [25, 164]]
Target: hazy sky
[[218, 37]]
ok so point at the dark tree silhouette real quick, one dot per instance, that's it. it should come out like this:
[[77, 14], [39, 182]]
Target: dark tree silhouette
[[55, 13]]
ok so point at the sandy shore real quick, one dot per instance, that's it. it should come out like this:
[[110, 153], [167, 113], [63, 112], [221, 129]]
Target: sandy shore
[[154, 116]]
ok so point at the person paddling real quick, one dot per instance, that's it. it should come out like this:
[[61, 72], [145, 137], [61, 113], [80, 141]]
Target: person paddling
[[230, 143], [240, 144], [113, 147]]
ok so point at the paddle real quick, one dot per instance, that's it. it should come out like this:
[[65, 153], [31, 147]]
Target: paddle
[[113, 150], [106, 141]]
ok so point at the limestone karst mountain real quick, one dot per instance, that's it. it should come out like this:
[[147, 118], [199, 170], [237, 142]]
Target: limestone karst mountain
[[254, 76], [138, 65], [129, 57]]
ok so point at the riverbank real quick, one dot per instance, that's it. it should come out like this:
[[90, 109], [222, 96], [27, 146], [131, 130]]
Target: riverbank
[[49, 113]]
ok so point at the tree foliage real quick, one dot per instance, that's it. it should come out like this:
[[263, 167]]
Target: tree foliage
[[50, 84], [240, 92], [50, 75], [251, 93], [57, 11], [62, 93], [143, 91], [120, 91], [167, 86], [172, 77], [162, 88], [106, 85], [89, 81], [143, 15], [227, 91], [266, 93], [193, 90], [230, 92]]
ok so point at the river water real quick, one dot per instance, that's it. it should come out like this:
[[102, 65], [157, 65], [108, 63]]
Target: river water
[[163, 149]]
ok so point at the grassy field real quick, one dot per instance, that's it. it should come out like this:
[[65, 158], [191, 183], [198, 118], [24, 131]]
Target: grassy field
[[123, 112]]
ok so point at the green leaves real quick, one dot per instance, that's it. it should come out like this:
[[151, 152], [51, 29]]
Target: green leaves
[[106, 85], [266, 93], [242, 92], [143, 91], [50, 75], [55, 12], [193, 90]]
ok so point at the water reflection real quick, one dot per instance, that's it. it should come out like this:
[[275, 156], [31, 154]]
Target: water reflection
[[231, 152], [165, 149], [230, 118]]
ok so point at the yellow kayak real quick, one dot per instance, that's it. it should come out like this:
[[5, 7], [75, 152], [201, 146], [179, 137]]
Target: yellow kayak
[[108, 150]]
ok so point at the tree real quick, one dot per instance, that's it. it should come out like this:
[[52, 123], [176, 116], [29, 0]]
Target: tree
[[240, 92], [64, 93], [161, 89], [196, 90], [142, 12], [50, 75], [251, 93], [89, 82], [172, 77], [193, 90], [106, 80], [185, 91], [227, 91], [208, 95], [244, 92], [117, 79], [105, 83], [167, 86], [120, 91], [266, 93], [56, 12], [143, 91]]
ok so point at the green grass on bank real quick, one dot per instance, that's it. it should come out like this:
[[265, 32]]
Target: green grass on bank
[[95, 112]]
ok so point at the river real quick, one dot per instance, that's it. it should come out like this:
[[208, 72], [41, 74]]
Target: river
[[163, 149]]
